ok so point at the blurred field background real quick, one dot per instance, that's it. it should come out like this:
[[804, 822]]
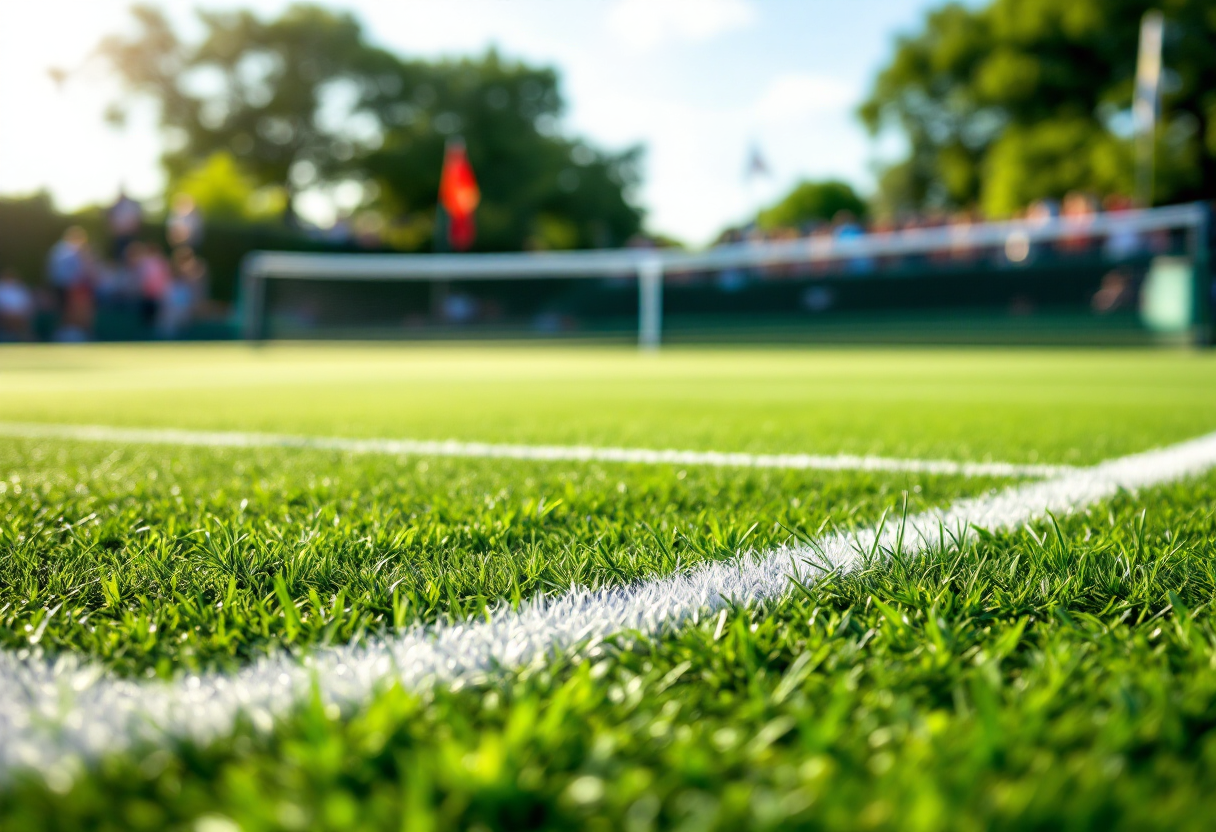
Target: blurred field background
[[1060, 406], [319, 128]]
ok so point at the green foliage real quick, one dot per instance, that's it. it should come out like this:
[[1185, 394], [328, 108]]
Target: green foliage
[[539, 190], [1053, 158], [222, 191], [250, 87], [305, 101], [1057, 677], [1023, 99], [810, 201]]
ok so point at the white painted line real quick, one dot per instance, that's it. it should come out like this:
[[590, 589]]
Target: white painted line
[[563, 453], [54, 715]]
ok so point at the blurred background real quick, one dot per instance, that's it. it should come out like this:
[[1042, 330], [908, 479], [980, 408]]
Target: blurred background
[[901, 170]]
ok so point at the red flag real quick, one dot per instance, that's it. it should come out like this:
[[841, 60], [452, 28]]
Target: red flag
[[459, 195]]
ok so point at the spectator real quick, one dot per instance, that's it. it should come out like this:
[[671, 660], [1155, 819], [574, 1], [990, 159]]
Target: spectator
[[959, 227], [125, 219], [1119, 290], [184, 226], [886, 227], [65, 265], [16, 308], [186, 296], [848, 229], [1123, 242], [1039, 214], [112, 287], [191, 271], [70, 271], [1077, 212], [153, 277], [821, 248], [913, 226]]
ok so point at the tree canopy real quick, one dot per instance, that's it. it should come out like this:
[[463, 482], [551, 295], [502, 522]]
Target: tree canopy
[[810, 202], [538, 187], [305, 101], [1026, 99]]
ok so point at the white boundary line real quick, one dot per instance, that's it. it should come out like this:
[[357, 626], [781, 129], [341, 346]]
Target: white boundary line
[[56, 714], [484, 450]]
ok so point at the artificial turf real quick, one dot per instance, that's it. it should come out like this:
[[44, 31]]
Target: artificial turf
[[1060, 676]]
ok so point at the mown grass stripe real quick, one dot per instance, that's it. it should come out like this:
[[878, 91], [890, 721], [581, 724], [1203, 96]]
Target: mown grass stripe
[[486, 450], [56, 713]]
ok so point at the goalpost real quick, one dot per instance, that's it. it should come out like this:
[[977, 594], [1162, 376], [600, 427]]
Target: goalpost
[[1170, 243]]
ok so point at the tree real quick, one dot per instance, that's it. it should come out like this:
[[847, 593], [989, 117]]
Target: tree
[[222, 190], [538, 188], [304, 101], [1025, 99], [811, 201], [271, 93]]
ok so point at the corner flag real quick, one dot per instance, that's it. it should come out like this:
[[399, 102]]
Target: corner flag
[[459, 195]]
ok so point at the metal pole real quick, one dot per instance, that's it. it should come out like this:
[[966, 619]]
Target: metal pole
[[650, 303], [1147, 102], [1201, 268], [253, 298]]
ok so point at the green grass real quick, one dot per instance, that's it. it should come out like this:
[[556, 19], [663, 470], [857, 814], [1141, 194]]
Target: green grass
[[157, 559], [1022, 405], [1062, 676]]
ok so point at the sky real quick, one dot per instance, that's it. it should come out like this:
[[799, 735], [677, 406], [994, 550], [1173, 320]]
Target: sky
[[698, 83]]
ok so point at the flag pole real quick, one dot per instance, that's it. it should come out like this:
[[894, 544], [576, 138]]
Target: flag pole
[[1146, 105], [757, 168]]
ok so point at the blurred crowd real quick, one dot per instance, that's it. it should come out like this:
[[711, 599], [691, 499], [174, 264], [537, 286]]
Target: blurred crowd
[[159, 287], [1122, 248], [1075, 212]]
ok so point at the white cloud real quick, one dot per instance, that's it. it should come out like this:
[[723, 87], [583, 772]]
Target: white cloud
[[647, 24], [794, 96]]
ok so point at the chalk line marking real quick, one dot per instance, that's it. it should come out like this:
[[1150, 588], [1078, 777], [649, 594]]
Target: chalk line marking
[[486, 450], [55, 715]]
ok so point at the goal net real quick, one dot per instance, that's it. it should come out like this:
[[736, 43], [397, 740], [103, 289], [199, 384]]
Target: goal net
[[1119, 277]]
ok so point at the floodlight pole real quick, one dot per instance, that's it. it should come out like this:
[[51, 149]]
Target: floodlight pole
[[650, 303]]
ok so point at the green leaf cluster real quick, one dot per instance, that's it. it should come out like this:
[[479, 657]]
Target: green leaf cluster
[[1019, 100], [540, 190], [812, 202]]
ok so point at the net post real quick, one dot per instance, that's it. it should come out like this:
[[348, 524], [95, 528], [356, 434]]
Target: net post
[[650, 303], [253, 299], [1201, 269]]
